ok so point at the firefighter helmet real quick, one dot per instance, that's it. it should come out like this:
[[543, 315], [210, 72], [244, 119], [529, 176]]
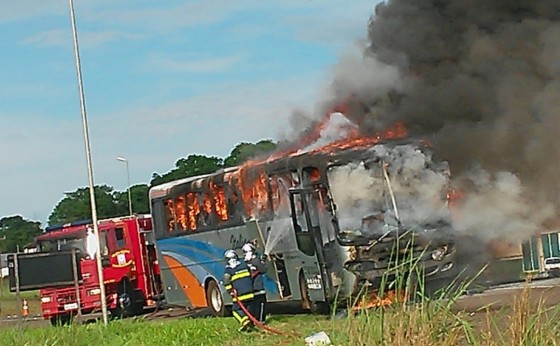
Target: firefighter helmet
[[248, 247], [230, 254]]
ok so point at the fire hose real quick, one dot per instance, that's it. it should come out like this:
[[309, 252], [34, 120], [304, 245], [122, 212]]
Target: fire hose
[[258, 323]]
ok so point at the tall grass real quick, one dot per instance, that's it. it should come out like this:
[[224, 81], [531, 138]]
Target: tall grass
[[423, 319]]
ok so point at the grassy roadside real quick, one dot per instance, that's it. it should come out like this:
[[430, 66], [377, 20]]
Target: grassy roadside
[[9, 305], [426, 323]]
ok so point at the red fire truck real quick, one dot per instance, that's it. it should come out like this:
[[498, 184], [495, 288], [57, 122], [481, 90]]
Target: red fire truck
[[130, 269]]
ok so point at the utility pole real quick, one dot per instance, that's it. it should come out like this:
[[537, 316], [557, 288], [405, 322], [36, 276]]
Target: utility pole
[[89, 164]]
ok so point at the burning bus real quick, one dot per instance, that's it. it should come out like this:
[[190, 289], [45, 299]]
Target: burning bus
[[332, 219]]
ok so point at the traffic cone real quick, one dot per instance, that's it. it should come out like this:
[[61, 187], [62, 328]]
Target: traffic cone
[[25, 308]]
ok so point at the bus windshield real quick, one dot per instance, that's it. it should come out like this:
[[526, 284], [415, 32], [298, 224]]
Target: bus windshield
[[398, 188]]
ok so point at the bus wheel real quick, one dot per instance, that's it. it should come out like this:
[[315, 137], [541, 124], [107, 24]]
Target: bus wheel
[[61, 320], [322, 308], [214, 299]]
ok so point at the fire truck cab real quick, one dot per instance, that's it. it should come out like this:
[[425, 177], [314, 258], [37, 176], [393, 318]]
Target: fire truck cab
[[130, 270]]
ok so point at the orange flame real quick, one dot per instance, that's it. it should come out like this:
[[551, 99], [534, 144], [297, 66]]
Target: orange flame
[[192, 210], [355, 141], [181, 212], [374, 301], [254, 192], [219, 201], [252, 183], [170, 215]]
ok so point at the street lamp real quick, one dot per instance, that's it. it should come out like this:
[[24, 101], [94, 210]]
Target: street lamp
[[89, 164], [123, 159]]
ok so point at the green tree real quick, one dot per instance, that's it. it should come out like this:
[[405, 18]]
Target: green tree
[[77, 206], [17, 232], [244, 151], [190, 166], [139, 197]]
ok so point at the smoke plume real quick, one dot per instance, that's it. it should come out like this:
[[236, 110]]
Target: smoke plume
[[481, 81], [416, 184]]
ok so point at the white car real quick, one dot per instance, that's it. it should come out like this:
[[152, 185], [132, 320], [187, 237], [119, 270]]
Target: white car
[[552, 266]]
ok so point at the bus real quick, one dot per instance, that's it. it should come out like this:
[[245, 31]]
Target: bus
[[327, 218], [130, 268]]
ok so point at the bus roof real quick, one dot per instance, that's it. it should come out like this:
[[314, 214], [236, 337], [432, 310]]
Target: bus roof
[[165, 188], [342, 154]]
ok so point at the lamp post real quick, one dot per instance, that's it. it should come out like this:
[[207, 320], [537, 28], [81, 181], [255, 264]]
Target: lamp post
[[89, 164], [123, 159]]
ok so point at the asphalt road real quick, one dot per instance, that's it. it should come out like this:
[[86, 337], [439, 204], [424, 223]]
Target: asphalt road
[[545, 291]]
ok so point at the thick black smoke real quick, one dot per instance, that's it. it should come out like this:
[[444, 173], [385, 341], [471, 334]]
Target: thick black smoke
[[481, 80]]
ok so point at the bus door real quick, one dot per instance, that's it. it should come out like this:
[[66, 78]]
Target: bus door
[[322, 217], [308, 243]]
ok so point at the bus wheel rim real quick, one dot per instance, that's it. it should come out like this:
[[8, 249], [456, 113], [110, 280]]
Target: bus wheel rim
[[216, 300]]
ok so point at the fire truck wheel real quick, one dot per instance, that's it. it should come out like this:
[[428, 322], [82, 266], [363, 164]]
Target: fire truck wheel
[[61, 320], [322, 308], [129, 302], [214, 299]]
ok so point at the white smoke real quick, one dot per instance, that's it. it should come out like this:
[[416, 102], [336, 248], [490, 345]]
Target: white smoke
[[495, 206], [337, 127], [418, 184]]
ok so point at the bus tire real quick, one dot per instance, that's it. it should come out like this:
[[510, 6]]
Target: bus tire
[[321, 308], [214, 299]]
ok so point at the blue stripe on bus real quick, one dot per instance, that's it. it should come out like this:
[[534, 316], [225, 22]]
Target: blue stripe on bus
[[215, 266], [199, 245], [197, 270]]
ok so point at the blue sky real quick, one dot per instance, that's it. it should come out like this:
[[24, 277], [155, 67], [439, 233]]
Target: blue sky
[[162, 80]]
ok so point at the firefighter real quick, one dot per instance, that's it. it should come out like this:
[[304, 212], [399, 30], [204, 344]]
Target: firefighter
[[238, 282], [258, 270]]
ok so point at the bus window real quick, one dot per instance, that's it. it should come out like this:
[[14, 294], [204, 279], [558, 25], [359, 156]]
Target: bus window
[[119, 234], [325, 213], [169, 215], [304, 238], [220, 203], [181, 212], [233, 205], [192, 210], [159, 212], [274, 193], [205, 216]]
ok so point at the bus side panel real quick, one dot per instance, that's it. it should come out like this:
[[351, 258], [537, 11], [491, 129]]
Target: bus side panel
[[174, 293], [191, 260]]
